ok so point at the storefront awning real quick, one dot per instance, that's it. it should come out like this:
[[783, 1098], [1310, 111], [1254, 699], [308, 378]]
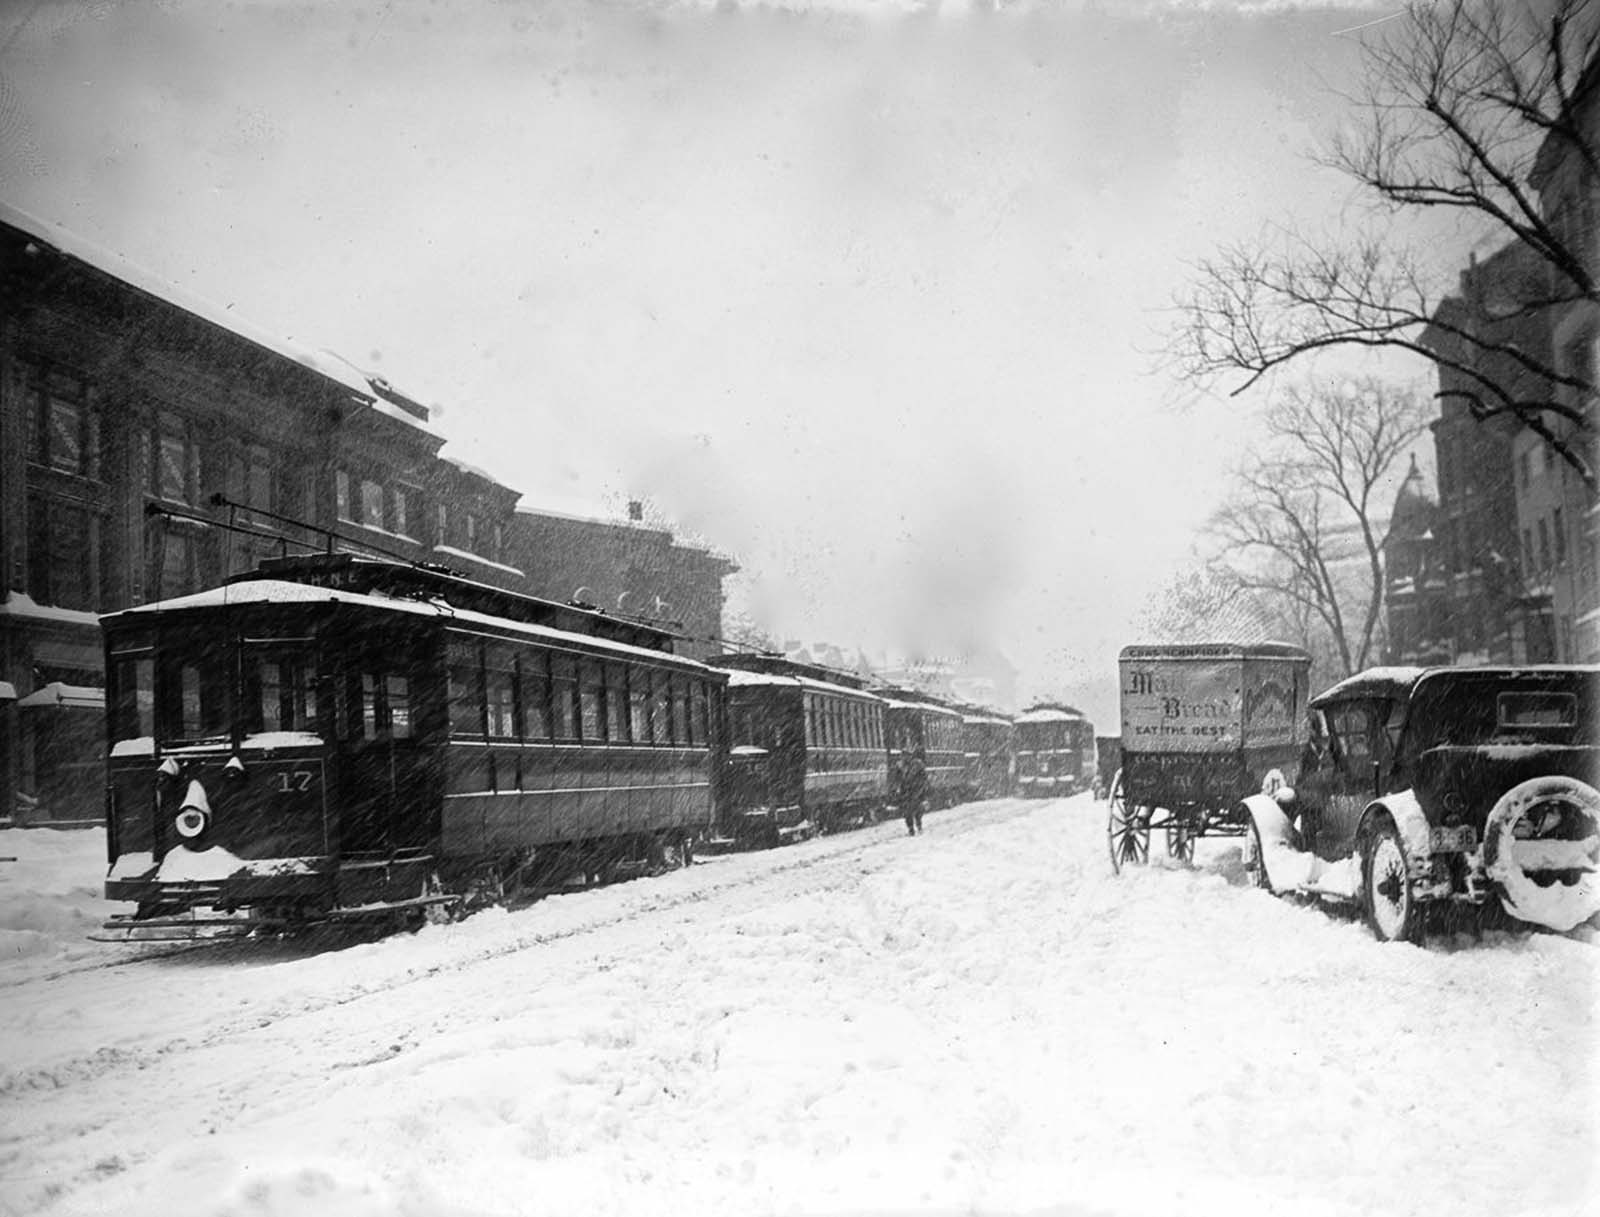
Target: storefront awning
[[71, 697]]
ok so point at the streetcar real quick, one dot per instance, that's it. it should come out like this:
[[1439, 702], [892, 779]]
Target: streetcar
[[332, 737]]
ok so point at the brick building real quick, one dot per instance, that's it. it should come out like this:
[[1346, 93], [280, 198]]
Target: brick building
[[126, 406], [1483, 614], [1557, 516], [623, 566]]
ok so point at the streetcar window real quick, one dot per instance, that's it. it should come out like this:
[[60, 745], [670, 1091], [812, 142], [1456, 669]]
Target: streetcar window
[[697, 711], [589, 699], [398, 689], [616, 703], [203, 707], [464, 668], [660, 699], [536, 696], [133, 697], [500, 691], [680, 711], [369, 706], [639, 704], [564, 696], [280, 691]]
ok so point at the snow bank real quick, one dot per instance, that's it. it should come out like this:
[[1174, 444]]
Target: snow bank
[[50, 897]]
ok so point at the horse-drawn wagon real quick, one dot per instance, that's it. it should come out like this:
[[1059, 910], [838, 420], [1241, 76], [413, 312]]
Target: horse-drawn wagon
[[1203, 726]]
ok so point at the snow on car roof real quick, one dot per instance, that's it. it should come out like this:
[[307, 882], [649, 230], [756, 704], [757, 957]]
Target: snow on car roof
[[281, 591], [1375, 682], [1402, 681]]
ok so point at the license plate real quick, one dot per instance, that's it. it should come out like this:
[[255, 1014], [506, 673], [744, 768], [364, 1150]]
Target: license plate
[[1460, 839]]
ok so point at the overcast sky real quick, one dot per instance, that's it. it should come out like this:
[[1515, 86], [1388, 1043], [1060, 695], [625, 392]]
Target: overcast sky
[[866, 298]]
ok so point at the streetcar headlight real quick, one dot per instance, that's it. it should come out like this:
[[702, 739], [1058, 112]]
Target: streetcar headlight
[[191, 822], [195, 813]]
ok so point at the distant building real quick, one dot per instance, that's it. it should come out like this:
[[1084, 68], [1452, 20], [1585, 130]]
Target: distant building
[[625, 567], [1415, 595]]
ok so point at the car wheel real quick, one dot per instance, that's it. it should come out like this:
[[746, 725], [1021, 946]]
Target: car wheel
[[1392, 910]]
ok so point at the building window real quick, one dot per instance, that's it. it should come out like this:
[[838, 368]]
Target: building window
[[472, 533], [61, 569], [400, 510], [497, 538], [372, 504], [443, 522], [66, 427], [1544, 544], [176, 472], [341, 495], [1557, 527], [252, 480], [1525, 466], [1527, 552]]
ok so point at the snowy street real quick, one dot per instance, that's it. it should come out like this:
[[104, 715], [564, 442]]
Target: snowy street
[[983, 1019]]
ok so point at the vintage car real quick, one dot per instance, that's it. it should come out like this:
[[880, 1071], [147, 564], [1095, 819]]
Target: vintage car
[[1434, 786]]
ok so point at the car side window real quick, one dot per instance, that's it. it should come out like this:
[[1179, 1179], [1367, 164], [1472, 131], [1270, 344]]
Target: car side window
[[1350, 732]]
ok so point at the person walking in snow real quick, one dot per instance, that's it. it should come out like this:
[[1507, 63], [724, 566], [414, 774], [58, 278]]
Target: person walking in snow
[[916, 796]]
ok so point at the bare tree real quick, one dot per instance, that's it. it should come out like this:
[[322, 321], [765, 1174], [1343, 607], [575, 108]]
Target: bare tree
[[1305, 528], [1460, 101], [1203, 604]]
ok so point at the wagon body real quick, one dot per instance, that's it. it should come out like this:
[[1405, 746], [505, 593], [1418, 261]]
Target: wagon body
[[1203, 725]]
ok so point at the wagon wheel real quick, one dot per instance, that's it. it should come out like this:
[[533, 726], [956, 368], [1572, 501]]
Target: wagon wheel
[[1181, 834], [1127, 828]]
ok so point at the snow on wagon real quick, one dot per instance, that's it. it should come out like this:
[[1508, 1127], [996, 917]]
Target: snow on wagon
[[1430, 786]]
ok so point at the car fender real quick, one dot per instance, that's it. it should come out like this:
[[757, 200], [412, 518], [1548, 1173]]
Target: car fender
[[1403, 808], [1287, 867]]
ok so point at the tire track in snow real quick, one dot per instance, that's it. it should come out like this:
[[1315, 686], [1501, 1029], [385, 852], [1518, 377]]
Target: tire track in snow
[[102, 1061]]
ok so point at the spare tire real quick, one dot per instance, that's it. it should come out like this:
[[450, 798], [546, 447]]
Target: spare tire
[[1541, 850]]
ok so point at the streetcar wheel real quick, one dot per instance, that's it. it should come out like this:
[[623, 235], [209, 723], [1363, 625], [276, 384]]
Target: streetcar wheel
[[1255, 867], [1392, 910], [1127, 829]]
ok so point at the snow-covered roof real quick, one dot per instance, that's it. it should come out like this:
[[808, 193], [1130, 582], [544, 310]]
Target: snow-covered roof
[[279, 591], [1214, 650], [450, 551], [1047, 714], [467, 467], [930, 707], [20, 604], [324, 363], [738, 678], [62, 695], [1374, 681], [990, 719]]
